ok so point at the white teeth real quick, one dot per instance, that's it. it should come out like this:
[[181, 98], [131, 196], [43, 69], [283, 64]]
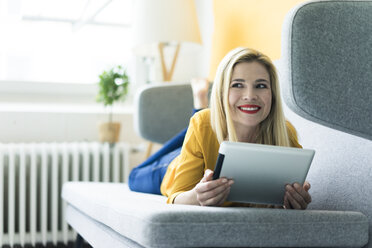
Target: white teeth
[[249, 109]]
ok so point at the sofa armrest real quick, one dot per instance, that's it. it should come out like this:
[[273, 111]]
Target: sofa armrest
[[162, 110]]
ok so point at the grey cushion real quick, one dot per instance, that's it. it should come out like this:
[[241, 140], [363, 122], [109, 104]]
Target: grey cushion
[[150, 222], [98, 234], [327, 48], [341, 172], [326, 76], [162, 110]]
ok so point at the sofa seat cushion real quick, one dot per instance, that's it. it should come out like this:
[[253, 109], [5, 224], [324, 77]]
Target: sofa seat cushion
[[96, 233], [150, 222]]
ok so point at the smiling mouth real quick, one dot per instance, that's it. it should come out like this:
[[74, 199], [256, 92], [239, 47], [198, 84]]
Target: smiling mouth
[[249, 109]]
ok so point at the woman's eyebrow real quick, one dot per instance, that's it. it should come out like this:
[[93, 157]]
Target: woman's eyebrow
[[257, 80], [261, 80], [237, 80]]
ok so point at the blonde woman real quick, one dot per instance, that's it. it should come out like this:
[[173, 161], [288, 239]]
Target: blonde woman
[[245, 106]]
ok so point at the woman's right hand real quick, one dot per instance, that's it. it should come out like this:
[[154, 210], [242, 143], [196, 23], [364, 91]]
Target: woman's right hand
[[211, 192]]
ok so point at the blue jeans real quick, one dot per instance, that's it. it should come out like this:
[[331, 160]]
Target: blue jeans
[[147, 177]]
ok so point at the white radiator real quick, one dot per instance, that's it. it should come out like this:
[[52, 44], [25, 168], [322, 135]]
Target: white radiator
[[31, 178]]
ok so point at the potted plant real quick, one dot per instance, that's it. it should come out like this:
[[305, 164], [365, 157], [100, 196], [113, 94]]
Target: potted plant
[[113, 87]]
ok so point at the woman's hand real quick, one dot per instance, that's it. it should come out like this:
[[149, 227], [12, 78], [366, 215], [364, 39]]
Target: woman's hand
[[211, 192], [297, 196]]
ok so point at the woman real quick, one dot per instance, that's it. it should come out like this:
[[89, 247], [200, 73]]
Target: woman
[[245, 107]]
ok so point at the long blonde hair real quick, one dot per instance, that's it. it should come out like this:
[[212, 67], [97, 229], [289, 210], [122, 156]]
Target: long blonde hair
[[273, 130]]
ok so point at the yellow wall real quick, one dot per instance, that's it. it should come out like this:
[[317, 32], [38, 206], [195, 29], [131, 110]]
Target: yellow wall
[[251, 23]]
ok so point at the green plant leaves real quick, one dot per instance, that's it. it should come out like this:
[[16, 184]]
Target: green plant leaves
[[113, 86]]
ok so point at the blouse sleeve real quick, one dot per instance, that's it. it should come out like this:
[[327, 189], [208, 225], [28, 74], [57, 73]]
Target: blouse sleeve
[[292, 135], [187, 169]]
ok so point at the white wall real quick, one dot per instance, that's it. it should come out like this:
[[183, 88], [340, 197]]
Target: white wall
[[57, 113]]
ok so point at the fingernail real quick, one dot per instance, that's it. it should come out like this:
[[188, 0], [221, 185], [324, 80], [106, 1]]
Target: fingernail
[[224, 180]]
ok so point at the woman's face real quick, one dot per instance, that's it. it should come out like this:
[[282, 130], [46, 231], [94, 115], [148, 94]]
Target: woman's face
[[249, 95]]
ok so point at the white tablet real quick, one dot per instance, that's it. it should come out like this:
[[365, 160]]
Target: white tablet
[[260, 172]]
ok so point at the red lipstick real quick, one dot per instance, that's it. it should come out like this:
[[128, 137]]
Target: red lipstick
[[249, 109]]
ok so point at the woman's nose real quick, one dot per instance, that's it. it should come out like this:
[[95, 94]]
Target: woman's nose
[[249, 94]]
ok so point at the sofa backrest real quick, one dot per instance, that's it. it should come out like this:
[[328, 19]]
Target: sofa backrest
[[327, 46], [163, 110], [326, 77]]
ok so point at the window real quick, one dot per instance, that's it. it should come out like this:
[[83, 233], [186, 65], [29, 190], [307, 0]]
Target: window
[[63, 41]]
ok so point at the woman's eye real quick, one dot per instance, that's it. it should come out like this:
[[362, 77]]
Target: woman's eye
[[261, 86], [236, 85]]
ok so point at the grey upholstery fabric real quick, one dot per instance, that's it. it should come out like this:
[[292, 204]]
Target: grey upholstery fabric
[[341, 172], [150, 222], [326, 74], [163, 113], [327, 47], [98, 234]]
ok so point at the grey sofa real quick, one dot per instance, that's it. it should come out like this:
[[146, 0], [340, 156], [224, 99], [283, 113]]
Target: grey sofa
[[326, 78]]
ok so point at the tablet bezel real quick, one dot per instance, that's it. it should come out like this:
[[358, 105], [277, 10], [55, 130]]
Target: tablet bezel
[[268, 170]]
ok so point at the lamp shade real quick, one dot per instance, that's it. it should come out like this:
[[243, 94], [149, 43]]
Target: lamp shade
[[165, 21]]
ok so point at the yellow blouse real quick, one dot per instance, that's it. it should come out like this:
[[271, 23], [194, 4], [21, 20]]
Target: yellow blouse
[[199, 152]]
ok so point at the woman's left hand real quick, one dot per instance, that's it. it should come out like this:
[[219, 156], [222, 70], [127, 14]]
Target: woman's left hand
[[297, 196]]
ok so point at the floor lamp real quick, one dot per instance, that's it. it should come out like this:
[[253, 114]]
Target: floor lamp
[[165, 22]]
